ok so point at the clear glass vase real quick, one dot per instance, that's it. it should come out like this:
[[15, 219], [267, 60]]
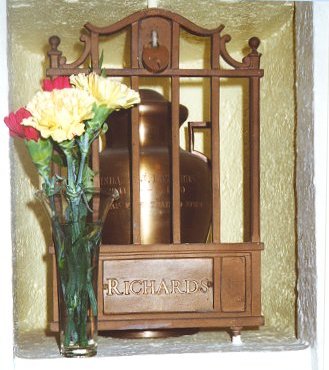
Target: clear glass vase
[[77, 221]]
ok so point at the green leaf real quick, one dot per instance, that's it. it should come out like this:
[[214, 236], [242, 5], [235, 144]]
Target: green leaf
[[88, 177], [40, 151], [68, 146], [101, 112], [92, 297], [83, 211], [41, 154]]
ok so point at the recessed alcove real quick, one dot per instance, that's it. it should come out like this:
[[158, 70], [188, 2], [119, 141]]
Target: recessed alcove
[[282, 131]]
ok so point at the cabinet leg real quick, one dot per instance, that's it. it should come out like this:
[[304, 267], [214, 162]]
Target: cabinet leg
[[236, 335]]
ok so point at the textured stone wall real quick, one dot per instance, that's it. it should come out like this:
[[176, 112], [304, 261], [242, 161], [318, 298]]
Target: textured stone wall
[[277, 178], [304, 175], [31, 229]]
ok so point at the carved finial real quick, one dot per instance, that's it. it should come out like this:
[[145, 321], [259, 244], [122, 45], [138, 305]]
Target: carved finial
[[54, 54], [252, 60], [254, 42], [54, 41]]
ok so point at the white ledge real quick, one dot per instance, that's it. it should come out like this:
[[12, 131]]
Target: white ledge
[[283, 360], [263, 349]]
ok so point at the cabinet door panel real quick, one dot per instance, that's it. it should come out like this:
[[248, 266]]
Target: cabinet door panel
[[233, 284]]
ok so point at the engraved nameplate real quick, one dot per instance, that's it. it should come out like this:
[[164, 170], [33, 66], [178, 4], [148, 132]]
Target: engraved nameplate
[[158, 285]]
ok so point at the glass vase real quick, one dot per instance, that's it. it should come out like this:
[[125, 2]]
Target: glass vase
[[77, 221]]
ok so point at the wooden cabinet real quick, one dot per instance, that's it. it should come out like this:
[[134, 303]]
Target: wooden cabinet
[[177, 285], [185, 286]]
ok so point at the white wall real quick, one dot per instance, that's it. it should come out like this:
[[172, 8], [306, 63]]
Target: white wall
[[321, 173], [6, 305], [305, 191]]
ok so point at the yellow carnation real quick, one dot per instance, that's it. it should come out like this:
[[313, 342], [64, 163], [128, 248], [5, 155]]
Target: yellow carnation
[[60, 113], [113, 94]]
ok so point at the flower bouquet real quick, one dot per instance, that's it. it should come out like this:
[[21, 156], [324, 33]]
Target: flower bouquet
[[58, 126]]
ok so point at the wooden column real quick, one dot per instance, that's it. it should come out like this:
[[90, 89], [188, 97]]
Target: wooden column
[[94, 52], [135, 149], [176, 221], [215, 145], [254, 86]]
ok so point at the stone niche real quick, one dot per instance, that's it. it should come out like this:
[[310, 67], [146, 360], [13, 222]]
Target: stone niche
[[282, 124]]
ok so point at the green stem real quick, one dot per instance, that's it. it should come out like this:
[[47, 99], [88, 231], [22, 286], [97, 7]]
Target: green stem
[[84, 145], [47, 185], [75, 218], [77, 294], [81, 168], [70, 171]]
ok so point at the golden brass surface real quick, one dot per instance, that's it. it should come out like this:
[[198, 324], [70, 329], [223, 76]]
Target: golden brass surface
[[155, 178]]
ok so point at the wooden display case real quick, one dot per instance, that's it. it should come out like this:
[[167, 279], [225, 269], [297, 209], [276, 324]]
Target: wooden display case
[[176, 285]]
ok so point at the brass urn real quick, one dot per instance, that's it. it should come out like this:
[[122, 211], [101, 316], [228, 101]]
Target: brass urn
[[155, 177]]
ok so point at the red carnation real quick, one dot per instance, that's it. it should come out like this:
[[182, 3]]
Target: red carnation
[[60, 82], [14, 123], [31, 133]]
